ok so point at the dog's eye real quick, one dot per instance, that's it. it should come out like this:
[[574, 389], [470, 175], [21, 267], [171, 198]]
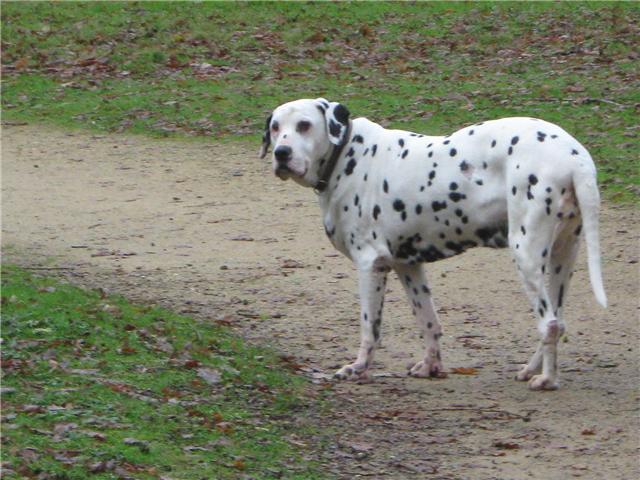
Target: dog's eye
[[303, 126], [275, 127]]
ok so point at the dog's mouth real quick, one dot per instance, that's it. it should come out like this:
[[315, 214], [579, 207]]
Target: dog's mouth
[[284, 172]]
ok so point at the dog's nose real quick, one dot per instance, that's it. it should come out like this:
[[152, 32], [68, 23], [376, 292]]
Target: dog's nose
[[282, 154]]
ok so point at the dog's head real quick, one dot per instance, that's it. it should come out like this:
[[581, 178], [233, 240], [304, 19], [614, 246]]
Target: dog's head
[[304, 133]]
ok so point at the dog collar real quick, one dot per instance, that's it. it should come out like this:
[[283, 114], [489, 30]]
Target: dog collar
[[325, 175]]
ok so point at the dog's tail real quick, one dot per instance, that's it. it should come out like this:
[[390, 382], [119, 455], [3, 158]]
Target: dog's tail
[[584, 182]]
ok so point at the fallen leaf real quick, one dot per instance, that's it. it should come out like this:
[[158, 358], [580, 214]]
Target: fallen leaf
[[464, 371], [505, 445], [224, 427], [191, 364], [288, 263], [22, 63]]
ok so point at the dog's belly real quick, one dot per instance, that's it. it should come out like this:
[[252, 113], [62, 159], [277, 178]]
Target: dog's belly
[[443, 223]]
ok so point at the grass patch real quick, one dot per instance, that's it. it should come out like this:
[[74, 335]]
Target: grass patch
[[216, 69], [95, 387]]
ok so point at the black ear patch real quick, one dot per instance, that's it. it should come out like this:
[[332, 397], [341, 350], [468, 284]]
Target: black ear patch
[[341, 113], [266, 138], [337, 118], [334, 128]]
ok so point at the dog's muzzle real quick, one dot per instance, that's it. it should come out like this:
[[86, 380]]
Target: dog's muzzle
[[282, 155]]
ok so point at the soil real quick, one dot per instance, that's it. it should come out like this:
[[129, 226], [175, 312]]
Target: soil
[[205, 228]]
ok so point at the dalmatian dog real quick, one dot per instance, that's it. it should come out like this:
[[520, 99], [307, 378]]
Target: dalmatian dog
[[392, 200]]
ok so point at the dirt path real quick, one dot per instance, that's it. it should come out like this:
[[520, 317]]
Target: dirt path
[[206, 229]]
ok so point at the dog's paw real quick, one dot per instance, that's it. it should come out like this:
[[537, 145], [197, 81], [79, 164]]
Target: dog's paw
[[428, 368], [526, 373], [353, 372], [542, 382]]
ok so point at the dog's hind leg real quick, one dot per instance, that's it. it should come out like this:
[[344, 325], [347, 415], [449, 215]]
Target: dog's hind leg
[[415, 284], [371, 285], [531, 239], [564, 251]]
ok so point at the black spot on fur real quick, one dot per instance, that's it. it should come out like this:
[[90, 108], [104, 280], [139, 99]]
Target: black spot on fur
[[453, 152], [374, 149], [460, 246], [405, 153], [432, 174], [514, 140], [541, 136], [493, 144], [514, 190], [438, 206], [533, 179], [418, 209], [401, 142], [464, 166], [560, 295], [544, 252], [385, 186], [456, 196], [376, 212], [358, 139], [453, 186], [350, 166], [578, 230], [485, 234], [398, 205]]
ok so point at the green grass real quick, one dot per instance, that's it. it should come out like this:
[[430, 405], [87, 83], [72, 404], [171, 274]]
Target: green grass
[[82, 373], [430, 67]]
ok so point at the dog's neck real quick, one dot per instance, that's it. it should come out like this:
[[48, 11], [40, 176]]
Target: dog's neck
[[327, 171]]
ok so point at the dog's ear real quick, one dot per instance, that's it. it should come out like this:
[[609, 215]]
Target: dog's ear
[[337, 117], [266, 138]]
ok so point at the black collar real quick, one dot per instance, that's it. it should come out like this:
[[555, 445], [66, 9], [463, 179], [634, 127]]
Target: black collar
[[325, 174]]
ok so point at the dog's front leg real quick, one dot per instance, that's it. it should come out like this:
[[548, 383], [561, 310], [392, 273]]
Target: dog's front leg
[[414, 282], [371, 285]]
